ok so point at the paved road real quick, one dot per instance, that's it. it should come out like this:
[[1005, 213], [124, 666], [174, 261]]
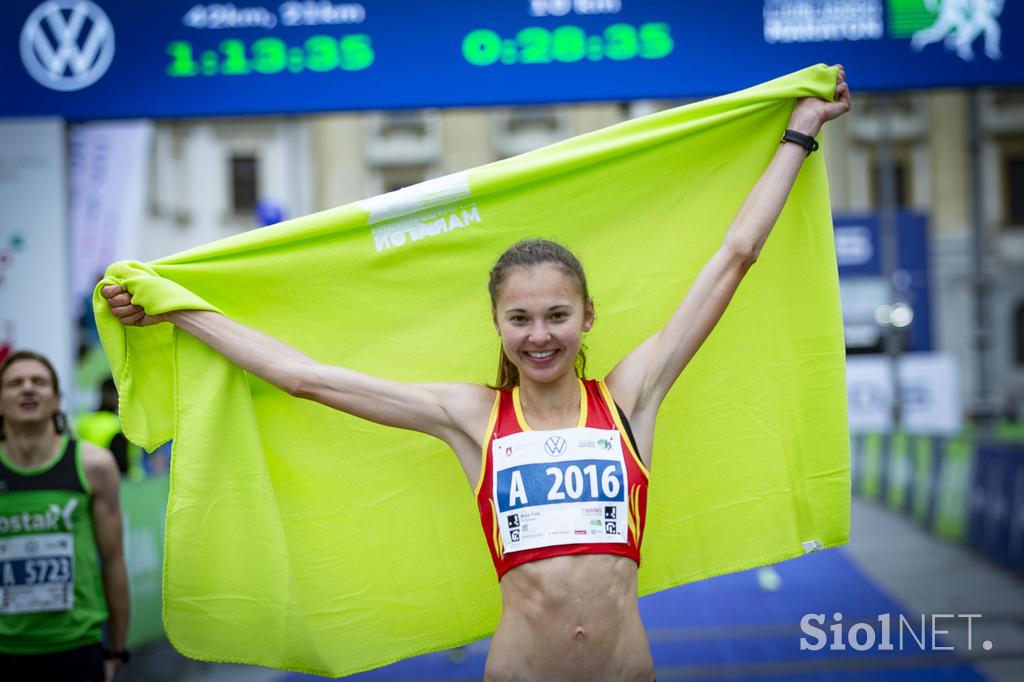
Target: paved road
[[746, 627]]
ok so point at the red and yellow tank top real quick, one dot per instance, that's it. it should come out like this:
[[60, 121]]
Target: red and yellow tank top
[[580, 490]]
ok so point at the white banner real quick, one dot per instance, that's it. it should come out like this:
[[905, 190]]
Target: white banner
[[929, 393], [108, 177], [35, 311]]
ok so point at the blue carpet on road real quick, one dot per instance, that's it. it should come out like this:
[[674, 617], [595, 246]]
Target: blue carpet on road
[[731, 628]]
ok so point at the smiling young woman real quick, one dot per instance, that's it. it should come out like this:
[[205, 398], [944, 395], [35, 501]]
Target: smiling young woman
[[541, 308], [559, 463]]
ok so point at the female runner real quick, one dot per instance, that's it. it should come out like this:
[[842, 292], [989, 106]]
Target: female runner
[[569, 603]]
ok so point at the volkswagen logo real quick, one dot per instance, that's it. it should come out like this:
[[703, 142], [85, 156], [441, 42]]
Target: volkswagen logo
[[67, 45], [555, 446]]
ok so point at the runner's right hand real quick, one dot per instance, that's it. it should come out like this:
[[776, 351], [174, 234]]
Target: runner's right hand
[[120, 301]]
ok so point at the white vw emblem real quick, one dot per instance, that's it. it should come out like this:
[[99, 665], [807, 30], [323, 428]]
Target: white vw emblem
[[555, 445], [67, 44]]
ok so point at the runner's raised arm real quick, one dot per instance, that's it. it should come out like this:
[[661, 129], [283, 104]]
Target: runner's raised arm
[[428, 408], [641, 380]]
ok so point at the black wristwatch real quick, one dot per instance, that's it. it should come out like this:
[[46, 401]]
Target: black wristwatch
[[805, 141], [122, 655]]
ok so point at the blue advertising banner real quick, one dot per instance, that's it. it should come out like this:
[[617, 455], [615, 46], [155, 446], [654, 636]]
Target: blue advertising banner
[[87, 59], [858, 254], [996, 523]]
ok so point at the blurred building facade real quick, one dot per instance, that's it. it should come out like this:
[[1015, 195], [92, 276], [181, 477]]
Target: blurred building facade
[[207, 176]]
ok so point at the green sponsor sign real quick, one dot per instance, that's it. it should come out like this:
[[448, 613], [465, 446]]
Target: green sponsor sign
[[871, 460], [1010, 432], [144, 507], [899, 470], [906, 17], [922, 454], [954, 488]]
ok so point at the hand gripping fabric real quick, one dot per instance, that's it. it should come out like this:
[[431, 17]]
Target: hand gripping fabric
[[304, 539]]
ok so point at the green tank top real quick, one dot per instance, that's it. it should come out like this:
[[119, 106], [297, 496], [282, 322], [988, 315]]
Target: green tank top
[[51, 589]]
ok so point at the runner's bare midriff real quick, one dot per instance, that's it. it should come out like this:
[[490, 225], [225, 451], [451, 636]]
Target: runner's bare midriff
[[570, 618]]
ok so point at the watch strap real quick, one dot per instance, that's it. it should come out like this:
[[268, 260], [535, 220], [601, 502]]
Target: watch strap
[[122, 655], [805, 141]]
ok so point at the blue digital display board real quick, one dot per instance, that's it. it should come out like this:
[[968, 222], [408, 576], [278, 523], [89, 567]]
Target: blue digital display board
[[86, 59]]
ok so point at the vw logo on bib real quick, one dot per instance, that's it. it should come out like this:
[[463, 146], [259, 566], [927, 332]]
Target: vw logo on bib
[[555, 446], [67, 45]]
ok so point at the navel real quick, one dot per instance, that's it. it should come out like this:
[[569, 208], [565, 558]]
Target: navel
[[580, 634]]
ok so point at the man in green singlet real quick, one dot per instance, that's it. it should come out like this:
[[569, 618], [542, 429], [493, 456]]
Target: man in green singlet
[[62, 571]]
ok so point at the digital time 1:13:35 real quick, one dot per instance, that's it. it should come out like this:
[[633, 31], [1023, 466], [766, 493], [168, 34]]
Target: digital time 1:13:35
[[270, 55]]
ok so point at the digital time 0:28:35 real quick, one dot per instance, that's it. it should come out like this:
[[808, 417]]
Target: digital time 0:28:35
[[537, 45]]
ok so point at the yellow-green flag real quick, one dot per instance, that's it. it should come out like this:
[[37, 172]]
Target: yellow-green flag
[[305, 539]]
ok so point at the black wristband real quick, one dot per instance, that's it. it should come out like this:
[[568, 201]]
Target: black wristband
[[805, 141], [122, 655]]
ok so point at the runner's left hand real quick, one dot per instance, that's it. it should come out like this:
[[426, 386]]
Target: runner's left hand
[[811, 113]]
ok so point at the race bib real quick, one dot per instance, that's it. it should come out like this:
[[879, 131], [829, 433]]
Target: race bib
[[37, 573], [560, 488]]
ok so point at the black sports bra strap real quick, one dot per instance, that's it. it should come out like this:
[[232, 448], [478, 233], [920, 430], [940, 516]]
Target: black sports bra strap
[[629, 429]]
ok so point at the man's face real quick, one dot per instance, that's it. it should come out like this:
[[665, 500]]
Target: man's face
[[27, 393]]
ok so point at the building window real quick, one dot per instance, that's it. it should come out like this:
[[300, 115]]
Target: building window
[[244, 183], [1009, 97], [899, 105], [901, 163], [397, 177], [1012, 153], [403, 122], [533, 118]]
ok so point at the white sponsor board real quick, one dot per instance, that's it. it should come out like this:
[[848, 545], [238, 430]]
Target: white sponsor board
[[35, 311], [108, 177], [929, 391]]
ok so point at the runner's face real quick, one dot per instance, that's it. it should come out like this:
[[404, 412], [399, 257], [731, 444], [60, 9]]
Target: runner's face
[[541, 317], [27, 393]]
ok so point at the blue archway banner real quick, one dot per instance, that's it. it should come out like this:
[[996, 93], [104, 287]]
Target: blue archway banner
[[89, 59]]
